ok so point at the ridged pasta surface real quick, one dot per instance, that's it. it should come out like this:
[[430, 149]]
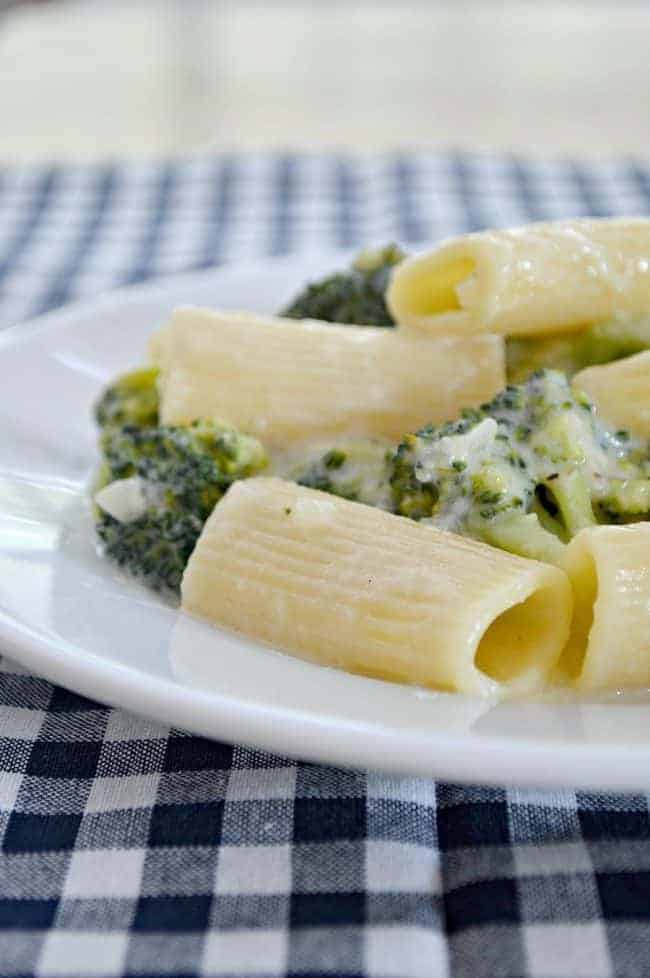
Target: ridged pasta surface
[[350, 586], [621, 392], [287, 381], [610, 638]]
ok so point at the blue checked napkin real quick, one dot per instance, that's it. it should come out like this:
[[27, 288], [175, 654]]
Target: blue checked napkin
[[132, 850]]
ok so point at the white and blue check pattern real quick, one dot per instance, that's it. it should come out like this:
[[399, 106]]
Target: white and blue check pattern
[[133, 850]]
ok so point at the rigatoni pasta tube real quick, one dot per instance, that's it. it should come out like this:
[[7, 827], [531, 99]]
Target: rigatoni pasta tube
[[621, 392], [610, 635], [543, 278], [286, 381], [346, 585]]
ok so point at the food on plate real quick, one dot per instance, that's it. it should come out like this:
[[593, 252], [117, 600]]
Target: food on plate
[[417, 518], [571, 352], [524, 472], [157, 486], [287, 381], [356, 469], [540, 279], [351, 586], [132, 398], [356, 295], [567, 350], [609, 645], [621, 392]]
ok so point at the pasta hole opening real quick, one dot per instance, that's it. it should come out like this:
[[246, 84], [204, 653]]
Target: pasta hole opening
[[431, 294], [519, 638], [585, 591]]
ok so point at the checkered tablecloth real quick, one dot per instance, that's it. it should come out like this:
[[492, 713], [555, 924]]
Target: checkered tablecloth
[[130, 849]]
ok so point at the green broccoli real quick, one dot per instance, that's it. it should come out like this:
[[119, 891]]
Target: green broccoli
[[357, 470], [131, 399], [155, 547], [575, 351], [525, 472], [624, 501], [194, 462], [160, 486], [355, 296]]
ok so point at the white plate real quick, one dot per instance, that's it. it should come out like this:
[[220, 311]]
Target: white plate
[[69, 616]]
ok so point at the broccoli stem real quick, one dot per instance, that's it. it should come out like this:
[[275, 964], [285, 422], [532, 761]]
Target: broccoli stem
[[523, 534], [573, 499], [548, 522], [571, 352], [625, 500]]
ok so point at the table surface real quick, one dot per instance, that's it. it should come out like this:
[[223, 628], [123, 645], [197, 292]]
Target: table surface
[[87, 80]]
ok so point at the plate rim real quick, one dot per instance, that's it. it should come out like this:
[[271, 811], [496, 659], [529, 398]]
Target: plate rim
[[125, 688], [105, 298]]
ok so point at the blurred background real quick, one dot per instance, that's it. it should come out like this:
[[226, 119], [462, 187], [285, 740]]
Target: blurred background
[[123, 79]]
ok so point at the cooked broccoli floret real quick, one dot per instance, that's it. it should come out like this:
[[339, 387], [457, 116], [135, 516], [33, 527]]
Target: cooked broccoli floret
[[357, 470], [575, 351], [155, 547], [524, 472], [161, 484], [624, 501], [131, 399], [194, 463], [355, 296]]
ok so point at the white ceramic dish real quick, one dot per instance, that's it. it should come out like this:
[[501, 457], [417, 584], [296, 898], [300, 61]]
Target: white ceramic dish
[[68, 615]]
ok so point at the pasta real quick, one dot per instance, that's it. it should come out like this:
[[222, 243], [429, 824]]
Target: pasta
[[420, 482], [609, 568], [544, 278], [285, 380], [350, 586], [621, 392]]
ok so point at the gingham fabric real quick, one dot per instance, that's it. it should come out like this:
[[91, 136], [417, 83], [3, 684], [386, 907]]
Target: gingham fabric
[[133, 850]]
